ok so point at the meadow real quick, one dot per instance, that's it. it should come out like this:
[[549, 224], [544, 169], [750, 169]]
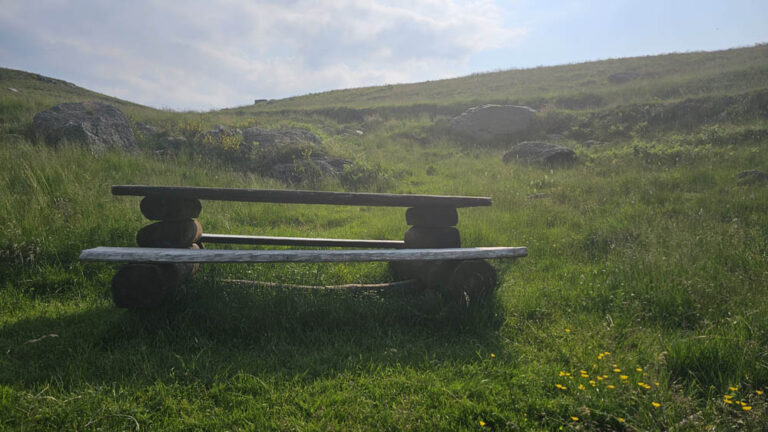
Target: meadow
[[641, 305]]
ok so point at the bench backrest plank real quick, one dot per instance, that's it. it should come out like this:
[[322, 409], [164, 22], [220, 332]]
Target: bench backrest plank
[[304, 197]]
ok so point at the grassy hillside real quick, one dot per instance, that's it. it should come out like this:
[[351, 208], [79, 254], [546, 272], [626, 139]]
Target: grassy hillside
[[641, 305]]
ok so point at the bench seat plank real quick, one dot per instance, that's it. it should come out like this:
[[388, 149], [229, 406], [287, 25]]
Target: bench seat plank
[[303, 197], [162, 255], [300, 241]]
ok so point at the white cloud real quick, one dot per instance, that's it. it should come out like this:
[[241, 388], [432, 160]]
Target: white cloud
[[200, 54]]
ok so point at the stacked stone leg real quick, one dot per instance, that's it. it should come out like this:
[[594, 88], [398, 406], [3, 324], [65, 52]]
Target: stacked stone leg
[[456, 281], [147, 285]]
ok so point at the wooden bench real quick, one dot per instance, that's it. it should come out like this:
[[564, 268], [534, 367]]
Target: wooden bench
[[171, 249]]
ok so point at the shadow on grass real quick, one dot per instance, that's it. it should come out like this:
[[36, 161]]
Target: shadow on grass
[[216, 330]]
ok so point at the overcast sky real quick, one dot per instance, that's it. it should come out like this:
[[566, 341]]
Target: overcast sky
[[204, 54]]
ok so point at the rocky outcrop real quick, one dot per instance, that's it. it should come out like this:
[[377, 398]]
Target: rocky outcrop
[[539, 152], [96, 125], [490, 121]]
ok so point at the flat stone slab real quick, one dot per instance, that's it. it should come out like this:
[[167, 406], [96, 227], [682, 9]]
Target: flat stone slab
[[162, 255]]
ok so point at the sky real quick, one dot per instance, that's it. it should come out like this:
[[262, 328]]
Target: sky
[[210, 54]]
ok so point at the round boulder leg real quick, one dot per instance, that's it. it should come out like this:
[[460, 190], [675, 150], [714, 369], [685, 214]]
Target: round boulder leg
[[419, 237], [163, 207], [472, 282]]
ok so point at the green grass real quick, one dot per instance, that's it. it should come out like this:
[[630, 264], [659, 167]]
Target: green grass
[[646, 249]]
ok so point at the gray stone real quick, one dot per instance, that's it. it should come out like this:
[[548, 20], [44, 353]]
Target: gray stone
[[432, 237], [752, 177], [539, 152], [491, 121], [432, 216], [308, 169], [97, 125], [148, 130]]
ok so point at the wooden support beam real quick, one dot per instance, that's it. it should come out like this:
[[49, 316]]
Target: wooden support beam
[[303, 197], [300, 241], [162, 255]]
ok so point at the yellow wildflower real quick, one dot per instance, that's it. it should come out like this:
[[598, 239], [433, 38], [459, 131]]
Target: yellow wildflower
[[733, 388], [639, 369], [482, 423], [624, 377], [617, 370], [581, 386], [574, 418], [746, 407], [759, 392], [567, 330], [561, 387], [728, 396], [611, 386], [592, 383], [599, 378], [655, 404], [493, 355], [728, 401], [620, 419]]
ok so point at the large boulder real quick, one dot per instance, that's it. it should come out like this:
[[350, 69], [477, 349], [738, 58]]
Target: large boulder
[[97, 125], [491, 121], [539, 152]]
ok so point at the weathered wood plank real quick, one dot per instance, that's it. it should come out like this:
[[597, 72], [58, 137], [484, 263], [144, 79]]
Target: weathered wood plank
[[300, 241], [161, 255], [303, 197]]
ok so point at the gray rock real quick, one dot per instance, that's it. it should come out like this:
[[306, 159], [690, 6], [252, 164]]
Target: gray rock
[[307, 170], [752, 177], [148, 130], [539, 152], [490, 121], [97, 125]]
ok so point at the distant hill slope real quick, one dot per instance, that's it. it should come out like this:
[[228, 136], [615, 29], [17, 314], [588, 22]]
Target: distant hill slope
[[596, 84]]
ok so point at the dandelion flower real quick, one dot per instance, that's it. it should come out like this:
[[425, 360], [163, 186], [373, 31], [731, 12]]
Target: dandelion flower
[[592, 383], [599, 378], [728, 396], [639, 369], [581, 386], [567, 330], [746, 407], [611, 386], [728, 401], [620, 419], [493, 355], [624, 377], [561, 387], [655, 404], [733, 388], [482, 423], [574, 418], [617, 370], [759, 392]]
